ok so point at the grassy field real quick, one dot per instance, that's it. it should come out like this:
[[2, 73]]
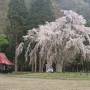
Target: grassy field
[[62, 76], [45, 81]]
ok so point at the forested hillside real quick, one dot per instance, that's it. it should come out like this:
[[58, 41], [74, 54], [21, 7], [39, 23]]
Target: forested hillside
[[3, 14], [4, 8], [80, 6]]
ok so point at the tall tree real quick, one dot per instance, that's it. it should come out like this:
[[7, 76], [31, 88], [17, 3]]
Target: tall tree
[[40, 12], [18, 17]]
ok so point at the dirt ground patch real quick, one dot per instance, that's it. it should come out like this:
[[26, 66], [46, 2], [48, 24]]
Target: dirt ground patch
[[14, 83]]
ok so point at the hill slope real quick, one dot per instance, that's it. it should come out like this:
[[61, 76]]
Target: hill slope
[[3, 14], [80, 6]]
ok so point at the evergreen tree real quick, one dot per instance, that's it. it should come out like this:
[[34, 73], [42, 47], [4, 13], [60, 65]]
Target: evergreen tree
[[18, 16], [40, 12], [18, 24]]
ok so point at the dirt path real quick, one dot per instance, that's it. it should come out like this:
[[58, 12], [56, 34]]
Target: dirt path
[[13, 83]]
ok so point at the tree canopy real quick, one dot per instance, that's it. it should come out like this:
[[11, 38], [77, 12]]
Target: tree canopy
[[40, 12]]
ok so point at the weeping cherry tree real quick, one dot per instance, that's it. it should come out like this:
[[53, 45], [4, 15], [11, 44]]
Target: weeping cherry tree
[[58, 42]]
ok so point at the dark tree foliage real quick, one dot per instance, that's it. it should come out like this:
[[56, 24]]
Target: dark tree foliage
[[40, 12], [88, 23], [17, 24], [18, 17], [3, 43]]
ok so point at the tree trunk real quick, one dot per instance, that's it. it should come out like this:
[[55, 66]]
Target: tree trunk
[[16, 56], [32, 66], [59, 67], [16, 66], [35, 65], [40, 66]]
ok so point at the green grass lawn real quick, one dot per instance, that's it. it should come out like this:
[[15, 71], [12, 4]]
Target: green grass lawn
[[62, 76]]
